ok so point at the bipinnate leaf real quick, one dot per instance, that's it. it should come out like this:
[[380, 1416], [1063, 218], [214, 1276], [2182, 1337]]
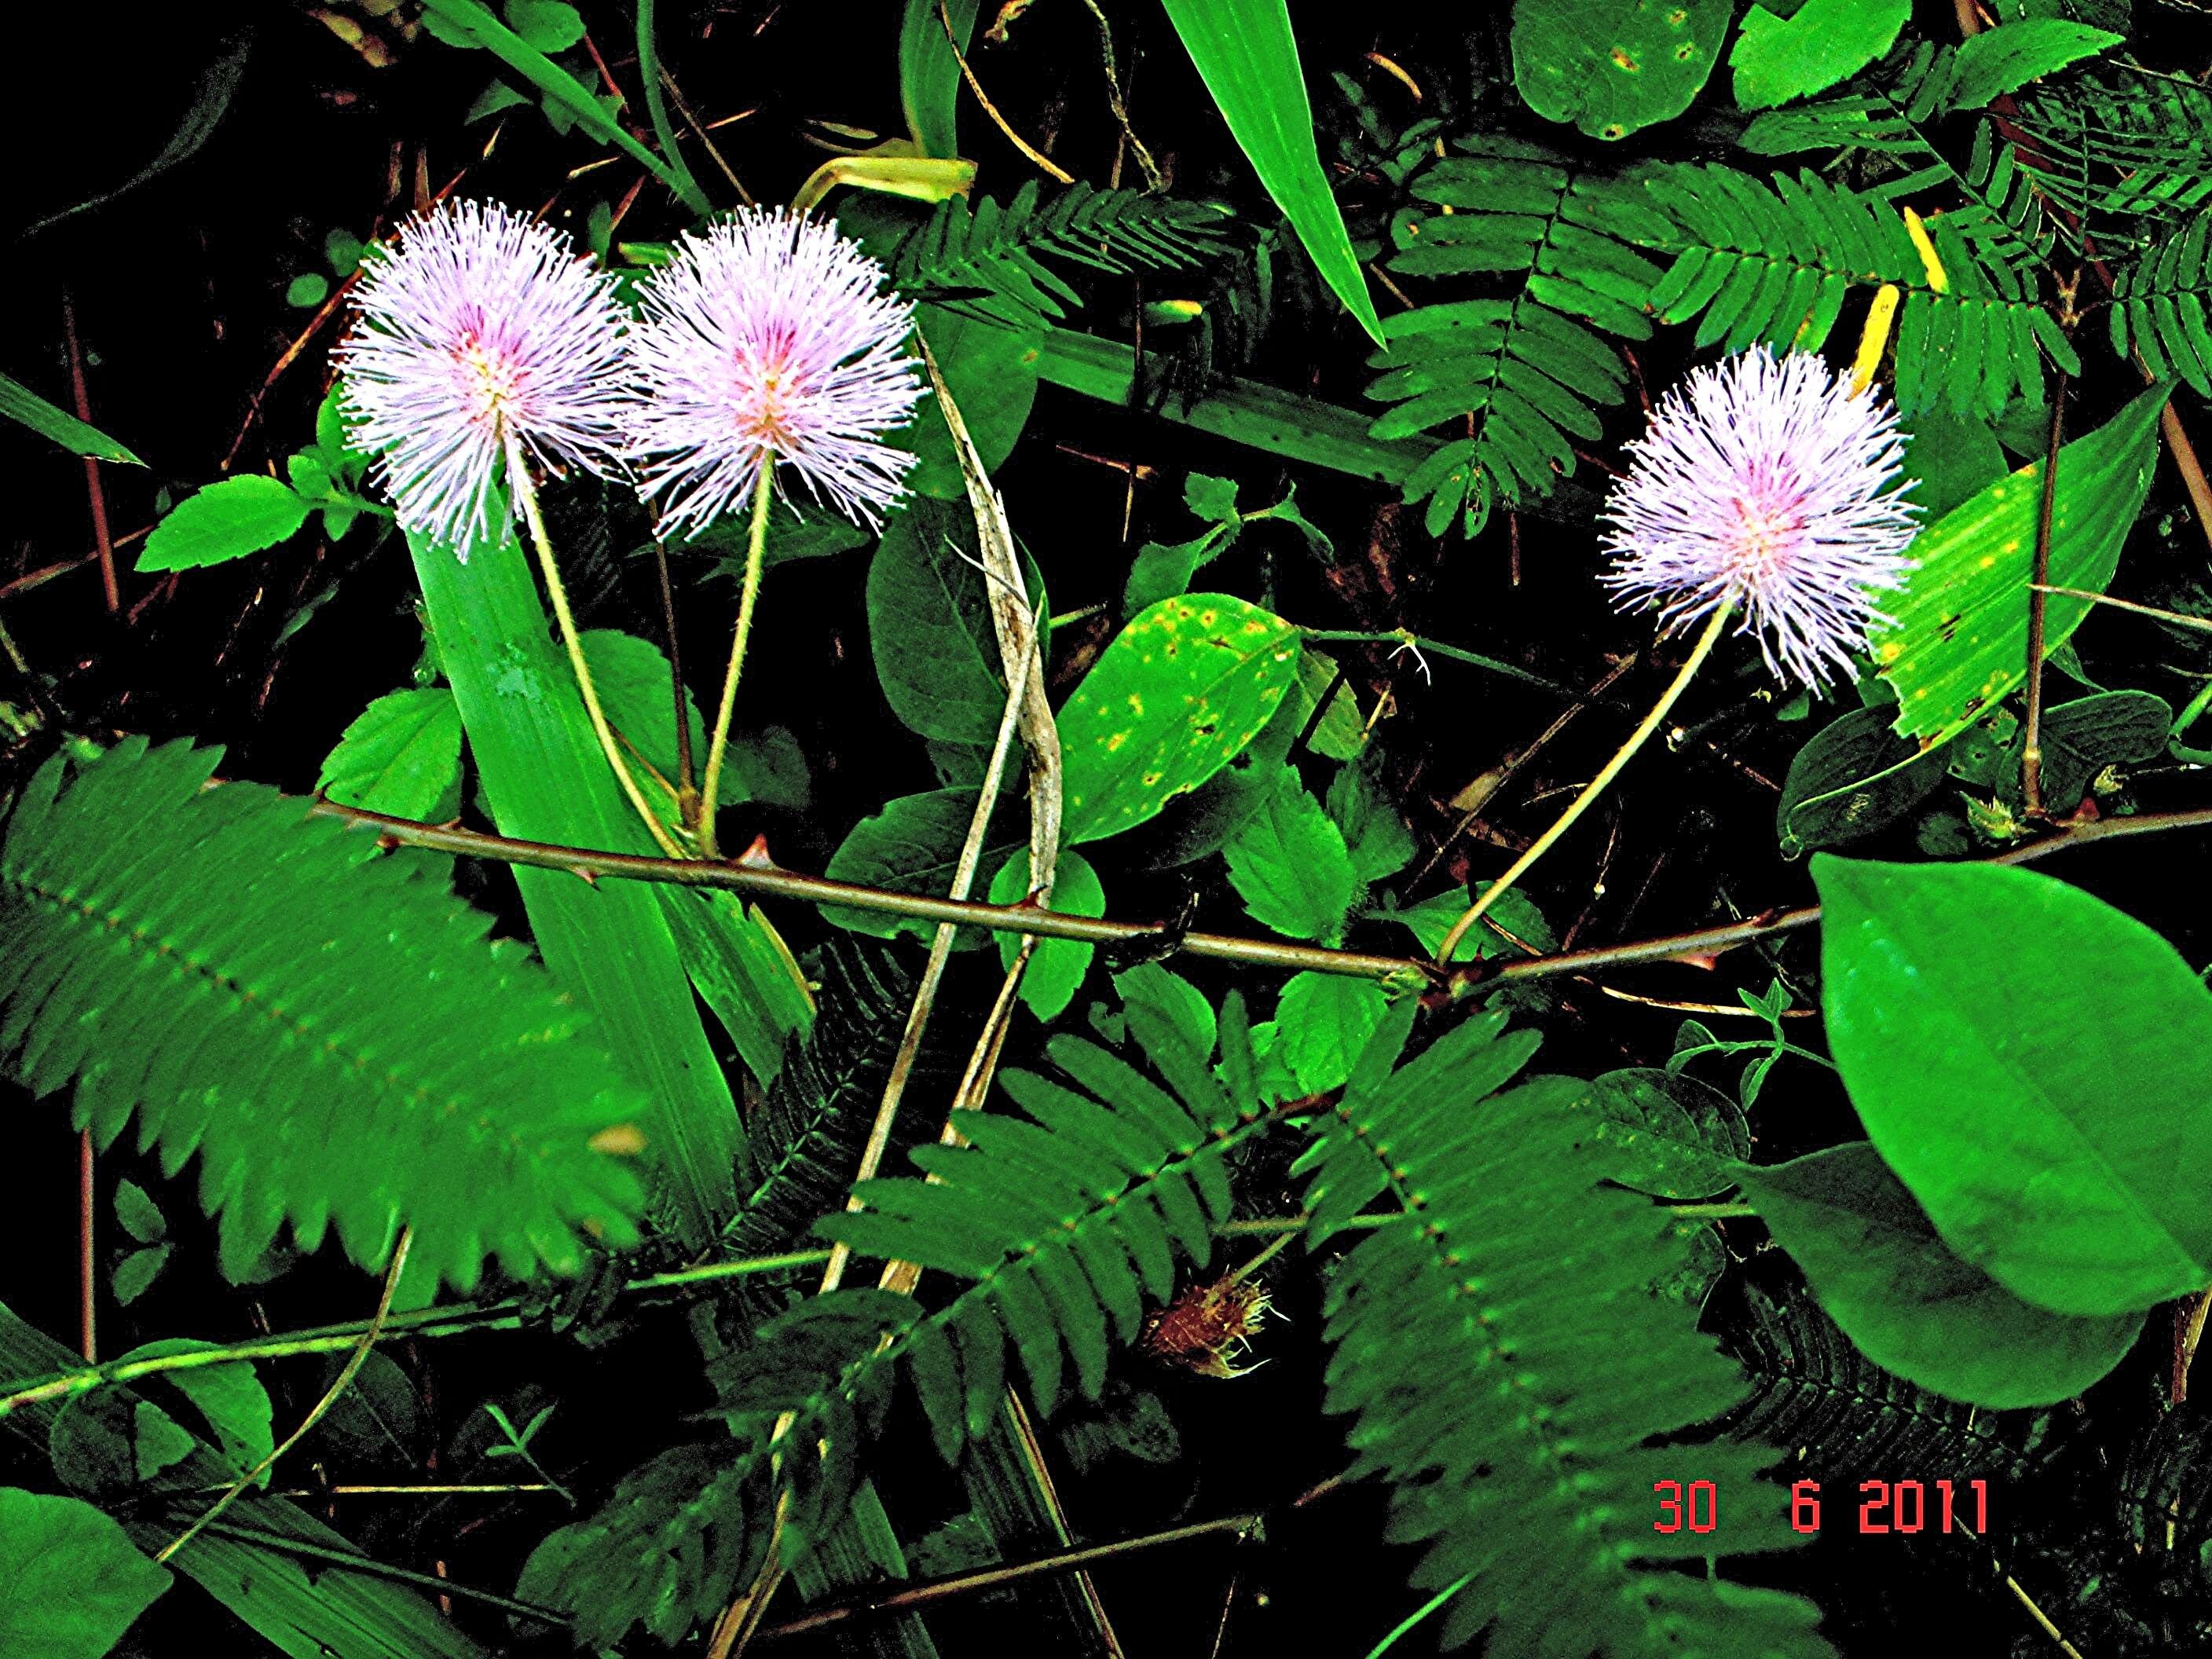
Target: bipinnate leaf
[[1178, 695], [71, 1583], [226, 520], [262, 988], [2035, 1066], [1910, 1304]]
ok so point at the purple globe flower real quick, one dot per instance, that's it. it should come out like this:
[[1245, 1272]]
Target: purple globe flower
[[768, 339], [1766, 486], [478, 332]]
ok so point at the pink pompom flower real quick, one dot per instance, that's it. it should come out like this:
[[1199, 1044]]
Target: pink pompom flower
[[478, 332], [1771, 486], [768, 339]]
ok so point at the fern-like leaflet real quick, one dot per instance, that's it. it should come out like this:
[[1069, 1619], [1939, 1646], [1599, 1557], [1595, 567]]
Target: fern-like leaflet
[[1843, 1415], [1524, 371], [1775, 263], [989, 260], [2160, 307], [262, 988], [1057, 1225], [1517, 1398]]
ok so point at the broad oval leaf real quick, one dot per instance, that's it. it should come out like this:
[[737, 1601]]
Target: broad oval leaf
[[1667, 1134], [1057, 965], [1854, 778], [75, 1581], [1909, 1303], [1174, 698], [402, 756], [224, 521], [2036, 1068], [929, 625], [1613, 67], [1959, 642], [912, 845]]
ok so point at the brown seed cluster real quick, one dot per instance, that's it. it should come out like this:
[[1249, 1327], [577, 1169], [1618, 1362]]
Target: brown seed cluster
[[1206, 1327]]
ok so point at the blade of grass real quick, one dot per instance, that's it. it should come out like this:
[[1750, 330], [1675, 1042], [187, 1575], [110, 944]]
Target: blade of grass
[[543, 775], [1249, 59]]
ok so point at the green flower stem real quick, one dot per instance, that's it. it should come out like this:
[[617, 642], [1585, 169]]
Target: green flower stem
[[756, 548], [519, 470], [1597, 787]]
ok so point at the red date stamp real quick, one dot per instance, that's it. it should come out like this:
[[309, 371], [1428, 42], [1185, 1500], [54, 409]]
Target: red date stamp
[[1885, 1506]]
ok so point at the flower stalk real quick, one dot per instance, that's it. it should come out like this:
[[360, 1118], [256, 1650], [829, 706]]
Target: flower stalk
[[756, 548]]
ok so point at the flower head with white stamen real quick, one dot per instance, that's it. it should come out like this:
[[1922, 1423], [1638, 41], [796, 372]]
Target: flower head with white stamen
[[769, 338], [1772, 487], [477, 338]]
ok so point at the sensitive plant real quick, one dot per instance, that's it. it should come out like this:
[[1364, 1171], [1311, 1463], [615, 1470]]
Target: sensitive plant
[[1627, 1215]]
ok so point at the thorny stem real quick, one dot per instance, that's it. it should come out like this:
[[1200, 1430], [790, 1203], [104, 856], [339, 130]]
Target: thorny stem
[[755, 552], [2031, 753], [424, 1322], [1597, 787], [765, 879], [343, 1381], [534, 515]]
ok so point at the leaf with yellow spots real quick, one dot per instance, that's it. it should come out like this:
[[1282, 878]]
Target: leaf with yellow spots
[[1613, 67], [1176, 696], [1959, 642]]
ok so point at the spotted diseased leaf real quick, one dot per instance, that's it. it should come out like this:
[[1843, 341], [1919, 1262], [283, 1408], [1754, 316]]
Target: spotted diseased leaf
[[1959, 640], [1178, 695], [1613, 67]]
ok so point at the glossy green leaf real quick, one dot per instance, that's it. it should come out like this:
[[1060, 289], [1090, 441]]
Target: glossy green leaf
[[993, 370], [226, 520], [1178, 695], [912, 845], [1876, 1265], [20, 403], [1951, 458], [1777, 59], [1057, 965], [135, 1273], [929, 625], [70, 1581], [1321, 1022], [1249, 59], [742, 971], [1960, 641], [1668, 1135], [550, 25], [2001, 60], [402, 756], [230, 1402], [2036, 1068], [1376, 837], [1854, 778], [1290, 866], [138, 1214], [929, 74], [1613, 67], [1163, 1005], [546, 780], [1433, 918]]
